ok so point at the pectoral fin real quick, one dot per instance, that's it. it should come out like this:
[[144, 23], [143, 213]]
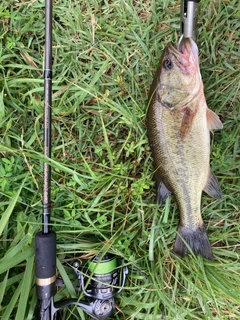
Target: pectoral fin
[[162, 193], [187, 122], [212, 187], [213, 121]]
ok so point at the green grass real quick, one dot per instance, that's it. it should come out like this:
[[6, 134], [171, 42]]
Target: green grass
[[104, 57]]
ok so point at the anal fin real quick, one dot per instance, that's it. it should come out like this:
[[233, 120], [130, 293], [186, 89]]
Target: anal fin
[[212, 187]]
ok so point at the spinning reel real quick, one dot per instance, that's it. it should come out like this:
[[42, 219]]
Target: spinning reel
[[99, 282]]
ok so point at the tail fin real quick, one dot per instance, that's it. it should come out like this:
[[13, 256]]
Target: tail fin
[[196, 240]]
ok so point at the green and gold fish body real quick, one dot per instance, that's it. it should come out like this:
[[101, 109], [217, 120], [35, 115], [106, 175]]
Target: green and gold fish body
[[178, 123]]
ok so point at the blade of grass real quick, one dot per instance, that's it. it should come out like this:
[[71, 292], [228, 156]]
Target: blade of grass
[[6, 264], [6, 215], [3, 287], [26, 286]]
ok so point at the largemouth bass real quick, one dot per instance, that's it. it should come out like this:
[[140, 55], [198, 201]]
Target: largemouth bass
[[178, 125]]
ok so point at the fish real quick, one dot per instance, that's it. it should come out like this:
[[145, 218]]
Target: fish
[[178, 128]]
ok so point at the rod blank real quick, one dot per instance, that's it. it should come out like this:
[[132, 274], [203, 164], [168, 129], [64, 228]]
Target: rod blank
[[47, 117]]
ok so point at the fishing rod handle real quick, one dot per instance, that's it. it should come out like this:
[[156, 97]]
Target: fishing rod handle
[[45, 264]]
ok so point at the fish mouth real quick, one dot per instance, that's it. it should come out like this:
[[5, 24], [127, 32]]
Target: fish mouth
[[186, 47], [189, 46], [186, 53]]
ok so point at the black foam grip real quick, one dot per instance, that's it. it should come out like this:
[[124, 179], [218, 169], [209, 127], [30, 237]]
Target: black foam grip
[[45, 255]]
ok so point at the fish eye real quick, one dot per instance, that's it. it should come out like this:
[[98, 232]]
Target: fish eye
[[167, 64]]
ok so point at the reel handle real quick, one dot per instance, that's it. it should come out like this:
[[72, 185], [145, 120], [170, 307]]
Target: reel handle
[[97, 309]]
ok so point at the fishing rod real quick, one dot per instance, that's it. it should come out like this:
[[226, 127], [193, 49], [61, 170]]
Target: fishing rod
[[45, 241], [105, 273]]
